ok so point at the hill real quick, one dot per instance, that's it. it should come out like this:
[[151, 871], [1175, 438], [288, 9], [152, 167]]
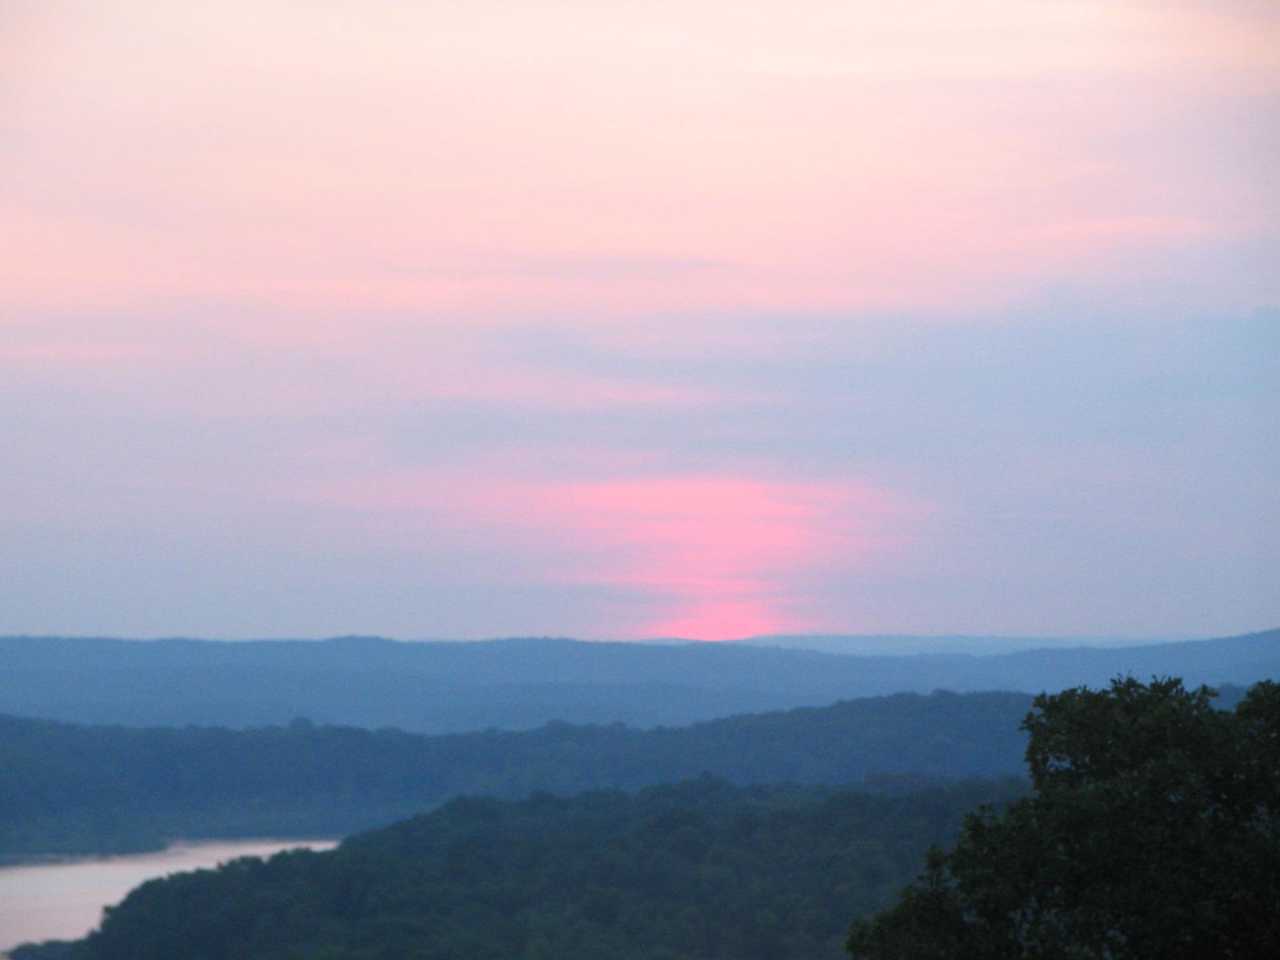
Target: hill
[[697, 870], [70, 788], [522, 684]]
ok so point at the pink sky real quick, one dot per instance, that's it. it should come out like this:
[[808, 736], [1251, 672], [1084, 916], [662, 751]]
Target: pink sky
[[648, 318], [713, 553]]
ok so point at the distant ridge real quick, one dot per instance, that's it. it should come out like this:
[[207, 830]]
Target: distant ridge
[[909, 644], [519, 683]]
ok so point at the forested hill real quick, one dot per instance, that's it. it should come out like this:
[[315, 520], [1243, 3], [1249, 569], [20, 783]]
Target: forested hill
[[697, 870], [522, 684], [72, 788]]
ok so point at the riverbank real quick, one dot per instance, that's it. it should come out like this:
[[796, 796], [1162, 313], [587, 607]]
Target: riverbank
[[53, 858], [8, 860], [63, 899]]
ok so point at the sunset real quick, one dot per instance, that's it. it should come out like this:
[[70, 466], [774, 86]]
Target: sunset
[[702, 480], [625, 320]]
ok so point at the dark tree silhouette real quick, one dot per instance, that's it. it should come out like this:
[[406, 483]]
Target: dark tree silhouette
[[1153, 831]]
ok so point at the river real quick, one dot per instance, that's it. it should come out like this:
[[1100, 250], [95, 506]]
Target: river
[[64, 900]]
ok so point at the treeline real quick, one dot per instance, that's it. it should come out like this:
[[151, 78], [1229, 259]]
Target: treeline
[[700, 870], [521, 684], [69, 789]]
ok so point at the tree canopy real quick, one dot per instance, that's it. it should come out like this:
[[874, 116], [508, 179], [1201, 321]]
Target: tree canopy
[[1153, 830], [700, 870], [68, 789]]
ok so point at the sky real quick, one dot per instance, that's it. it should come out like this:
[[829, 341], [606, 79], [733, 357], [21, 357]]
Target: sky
[[622, 319]]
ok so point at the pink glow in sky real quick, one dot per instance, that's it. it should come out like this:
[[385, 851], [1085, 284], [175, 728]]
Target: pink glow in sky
[[498, 159], [633, 318], [710, 552], [716, 549]]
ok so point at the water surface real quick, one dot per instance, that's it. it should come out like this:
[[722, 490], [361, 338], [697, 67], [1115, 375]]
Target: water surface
[[64, 900]]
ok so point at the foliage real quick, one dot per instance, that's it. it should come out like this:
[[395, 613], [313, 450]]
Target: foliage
[[110, 789], [696, 871], [1153, 831]]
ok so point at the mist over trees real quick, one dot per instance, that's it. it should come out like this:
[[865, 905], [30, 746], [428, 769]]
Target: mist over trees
[[73, 788], [525, 683], [1150, 828]]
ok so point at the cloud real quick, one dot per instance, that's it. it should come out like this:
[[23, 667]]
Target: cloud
[[684, 317], [377, 159], [702, 556]]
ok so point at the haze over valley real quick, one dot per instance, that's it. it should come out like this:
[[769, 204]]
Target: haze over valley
[[523, 683], [883, 775], [665, 480]]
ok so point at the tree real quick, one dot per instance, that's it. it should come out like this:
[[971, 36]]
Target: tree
[[1153, 831]]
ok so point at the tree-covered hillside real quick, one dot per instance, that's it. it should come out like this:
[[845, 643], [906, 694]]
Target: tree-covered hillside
[[522, 684], [699, 870], [71, 788], [1151, 832]]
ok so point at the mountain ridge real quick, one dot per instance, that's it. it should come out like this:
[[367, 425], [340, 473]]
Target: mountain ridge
[[522, 683]]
